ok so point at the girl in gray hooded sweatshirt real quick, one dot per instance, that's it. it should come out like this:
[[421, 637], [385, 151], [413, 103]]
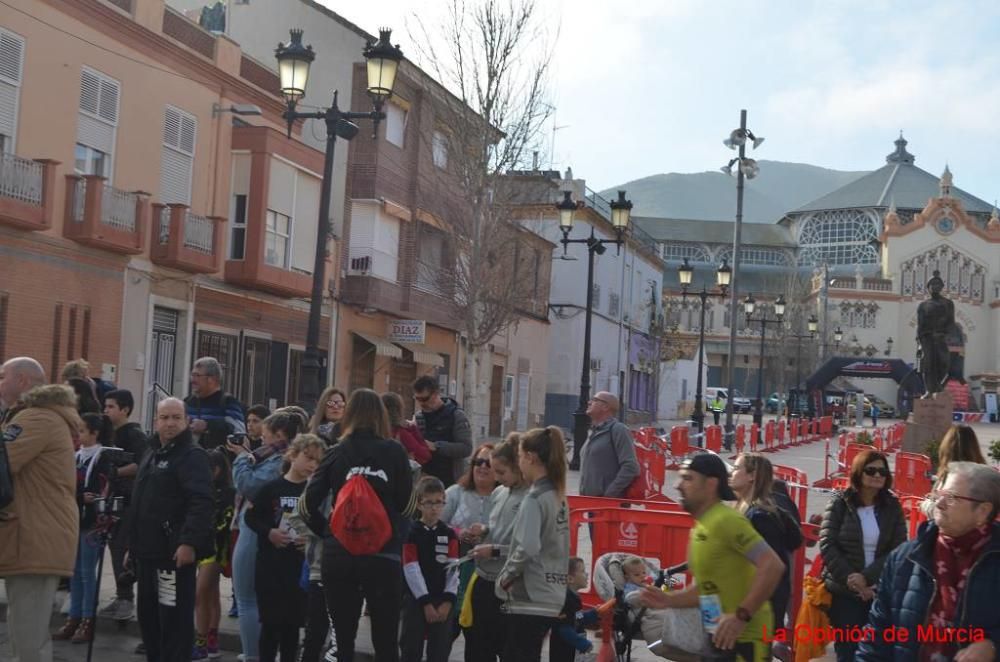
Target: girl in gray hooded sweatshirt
[[532, 583]]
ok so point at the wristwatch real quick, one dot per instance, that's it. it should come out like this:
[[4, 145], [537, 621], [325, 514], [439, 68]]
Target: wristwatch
[[743, 614]]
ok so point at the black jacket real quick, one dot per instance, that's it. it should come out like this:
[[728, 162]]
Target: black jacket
[[388, 473], [172, 501], [131, 439], [222, 413], [448, 427], [841, 541]]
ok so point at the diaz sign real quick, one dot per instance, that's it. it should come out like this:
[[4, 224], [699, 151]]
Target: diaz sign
[[413, 331]]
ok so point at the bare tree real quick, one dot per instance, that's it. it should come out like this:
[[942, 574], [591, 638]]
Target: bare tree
[[492, 58]]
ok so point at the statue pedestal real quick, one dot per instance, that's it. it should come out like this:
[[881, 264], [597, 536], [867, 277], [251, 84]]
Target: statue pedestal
[[930, 419]]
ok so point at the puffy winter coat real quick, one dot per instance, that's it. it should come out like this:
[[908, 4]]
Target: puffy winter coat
[[841, 541], [39, 529], [907, 589]]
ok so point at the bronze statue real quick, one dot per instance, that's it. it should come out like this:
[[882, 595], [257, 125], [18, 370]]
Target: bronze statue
[[935, 319]]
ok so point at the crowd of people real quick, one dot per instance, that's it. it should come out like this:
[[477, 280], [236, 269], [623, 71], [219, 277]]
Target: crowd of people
[[357, 512]]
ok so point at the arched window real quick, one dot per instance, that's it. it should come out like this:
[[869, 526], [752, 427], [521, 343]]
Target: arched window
[[676, 250], [963, 277], [841, 236], [776, 257]]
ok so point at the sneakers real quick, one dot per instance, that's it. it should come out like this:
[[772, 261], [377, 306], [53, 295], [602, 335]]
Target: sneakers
[[199, 653], [212, 645], [120, 609], [234, 611]]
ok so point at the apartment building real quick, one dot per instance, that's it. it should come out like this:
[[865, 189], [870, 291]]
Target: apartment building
[[142, 222]]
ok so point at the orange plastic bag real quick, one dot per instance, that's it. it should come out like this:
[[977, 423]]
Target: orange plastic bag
[[812, 615]]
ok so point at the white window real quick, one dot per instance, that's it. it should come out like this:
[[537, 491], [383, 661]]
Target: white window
[[97, 123], [11, 63], [180, 131], [439, 149], [395, 124], [90, 161], [277, 234], [238, 233]]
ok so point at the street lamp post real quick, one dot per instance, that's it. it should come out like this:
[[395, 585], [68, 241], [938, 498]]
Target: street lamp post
[[621, 213], [294, 60], [749, 305], [813, 325], [723, 274], [747, 169]]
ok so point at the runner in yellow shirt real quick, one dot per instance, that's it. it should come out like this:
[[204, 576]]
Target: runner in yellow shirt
[[734, 570]]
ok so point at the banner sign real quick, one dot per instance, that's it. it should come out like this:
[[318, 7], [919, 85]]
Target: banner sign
[[413, 331], [867, 368]]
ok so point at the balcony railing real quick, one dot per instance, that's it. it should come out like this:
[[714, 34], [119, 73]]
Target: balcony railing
[[104, 217], [21, 179], [27, 192], [185, 240]]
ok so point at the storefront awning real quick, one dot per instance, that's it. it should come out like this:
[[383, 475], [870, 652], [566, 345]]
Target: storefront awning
[[423, 355], [382, 346]]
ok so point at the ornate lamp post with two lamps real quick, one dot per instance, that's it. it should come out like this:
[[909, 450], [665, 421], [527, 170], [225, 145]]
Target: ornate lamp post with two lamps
[[685, 273], [749, 306], [621, 214], [294, 60], [812, 324]]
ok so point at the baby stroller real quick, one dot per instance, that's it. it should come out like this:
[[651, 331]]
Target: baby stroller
[[632, 621]]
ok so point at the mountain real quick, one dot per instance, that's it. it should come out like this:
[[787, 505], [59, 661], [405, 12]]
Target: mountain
[[779, 188]]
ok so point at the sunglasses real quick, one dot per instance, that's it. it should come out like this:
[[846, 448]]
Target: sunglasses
[[481, 462], [876, 471]]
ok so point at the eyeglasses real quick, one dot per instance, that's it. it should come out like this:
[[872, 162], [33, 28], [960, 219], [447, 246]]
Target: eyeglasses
[[334, 403], [876, 471], [431, 504], [603, 402], [481, 462], [948, 498]]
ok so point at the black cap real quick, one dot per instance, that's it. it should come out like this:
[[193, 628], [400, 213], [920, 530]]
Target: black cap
[[711, 465]]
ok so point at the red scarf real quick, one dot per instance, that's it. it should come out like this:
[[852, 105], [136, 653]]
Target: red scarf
[[953, 559]]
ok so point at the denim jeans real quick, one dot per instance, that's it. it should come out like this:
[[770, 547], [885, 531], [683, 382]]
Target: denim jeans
[[244, 567], [83, 586]]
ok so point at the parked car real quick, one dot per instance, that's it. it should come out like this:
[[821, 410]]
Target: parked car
[[775, 403], [885, 409]]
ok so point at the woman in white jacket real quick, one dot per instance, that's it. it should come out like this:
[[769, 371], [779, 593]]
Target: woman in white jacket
[[532, 583]]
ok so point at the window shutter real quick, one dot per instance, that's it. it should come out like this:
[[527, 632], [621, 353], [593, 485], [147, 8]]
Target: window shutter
[[11, 59], [98, 115], [175, 177], [177, 160], [11, 55]]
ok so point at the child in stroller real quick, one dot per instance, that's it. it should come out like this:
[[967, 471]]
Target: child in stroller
[[622, 576]]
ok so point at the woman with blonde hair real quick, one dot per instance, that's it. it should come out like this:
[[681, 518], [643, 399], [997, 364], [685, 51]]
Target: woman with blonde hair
[[532, 583], [959, 444], [752, 480]]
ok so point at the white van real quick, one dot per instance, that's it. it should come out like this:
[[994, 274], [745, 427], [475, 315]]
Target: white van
[[741, 403]]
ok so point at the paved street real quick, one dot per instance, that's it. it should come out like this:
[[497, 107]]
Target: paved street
[[113, 645]]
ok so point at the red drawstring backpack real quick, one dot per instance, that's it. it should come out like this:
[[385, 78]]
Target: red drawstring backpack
[[359, 521]]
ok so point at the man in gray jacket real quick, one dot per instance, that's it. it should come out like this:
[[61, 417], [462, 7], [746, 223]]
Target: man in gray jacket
[[608, 463]]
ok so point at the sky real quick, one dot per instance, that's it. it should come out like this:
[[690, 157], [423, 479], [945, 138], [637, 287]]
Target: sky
[[642, 87]]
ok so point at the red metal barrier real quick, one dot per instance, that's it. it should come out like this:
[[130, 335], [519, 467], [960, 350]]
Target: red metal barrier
[[741, 433], [851, 451], [754, 437], [798, 485], [913, 474], [577, 502], [780, 433], [713, 438], [769, 437], [678, 446], [653, 464], [654, 534], [911, 510], [826, 426], [793, 431]]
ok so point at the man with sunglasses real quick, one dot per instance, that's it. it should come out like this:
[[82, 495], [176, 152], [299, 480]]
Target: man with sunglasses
[[445, 428], [937, 593], [608, 463]]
